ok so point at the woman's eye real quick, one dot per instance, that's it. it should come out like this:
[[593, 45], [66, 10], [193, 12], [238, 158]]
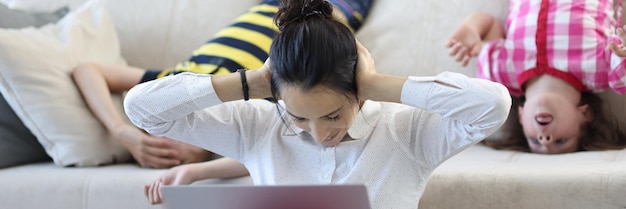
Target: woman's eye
[[298, 119], [561, 141], [335, 118], [534, 141]]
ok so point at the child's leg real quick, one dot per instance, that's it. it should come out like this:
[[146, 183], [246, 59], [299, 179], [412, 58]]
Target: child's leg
[[242, 45], [355, 11], [245, 43]]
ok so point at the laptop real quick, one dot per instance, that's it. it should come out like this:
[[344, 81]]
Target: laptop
[[266, 197]]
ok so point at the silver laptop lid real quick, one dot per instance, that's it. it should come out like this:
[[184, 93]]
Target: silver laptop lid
[[266, 197]]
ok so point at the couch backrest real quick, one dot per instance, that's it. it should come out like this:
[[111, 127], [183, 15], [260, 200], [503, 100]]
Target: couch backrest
[[406, 37]]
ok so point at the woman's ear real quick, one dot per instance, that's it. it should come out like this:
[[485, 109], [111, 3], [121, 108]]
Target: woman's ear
[[587, 114]]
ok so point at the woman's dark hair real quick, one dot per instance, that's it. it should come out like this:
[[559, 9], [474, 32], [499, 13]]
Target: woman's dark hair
[[602, 133], [312, 49]]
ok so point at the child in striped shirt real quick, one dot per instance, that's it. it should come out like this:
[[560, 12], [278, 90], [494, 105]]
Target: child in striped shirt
[[552, 55]]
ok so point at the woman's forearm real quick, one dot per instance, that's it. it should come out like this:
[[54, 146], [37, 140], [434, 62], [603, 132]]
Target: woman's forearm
[[385, 88], [230, 87]]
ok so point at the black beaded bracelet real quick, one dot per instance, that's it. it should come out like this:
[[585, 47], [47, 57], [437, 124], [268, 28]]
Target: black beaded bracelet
[[244, 84]]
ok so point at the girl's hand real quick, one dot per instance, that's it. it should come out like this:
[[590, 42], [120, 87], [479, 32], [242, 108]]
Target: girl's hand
[[179, 175], [464, 44], [365, 71], [619, 49]]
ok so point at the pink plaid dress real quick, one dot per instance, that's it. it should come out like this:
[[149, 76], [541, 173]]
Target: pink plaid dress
[[563, 38]]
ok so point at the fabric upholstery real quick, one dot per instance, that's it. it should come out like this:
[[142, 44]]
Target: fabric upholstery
[[405, 37], [17, 144], [41, 6], [11, 18]]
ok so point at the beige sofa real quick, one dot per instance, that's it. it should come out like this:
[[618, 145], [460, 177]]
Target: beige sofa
[[406, 37]]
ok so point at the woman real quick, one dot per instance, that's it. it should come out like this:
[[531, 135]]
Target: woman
[[337, 120], [553, 57]]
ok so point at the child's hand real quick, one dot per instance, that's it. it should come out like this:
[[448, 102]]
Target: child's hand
[[179, 175], [619, 49], [464, 44], [158, 152]]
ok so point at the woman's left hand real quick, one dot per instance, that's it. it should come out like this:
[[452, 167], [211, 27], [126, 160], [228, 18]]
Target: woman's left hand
[[365, 71]]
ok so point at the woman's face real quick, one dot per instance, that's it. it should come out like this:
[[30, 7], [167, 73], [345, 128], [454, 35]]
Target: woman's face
[[323, 113], [552, 125]]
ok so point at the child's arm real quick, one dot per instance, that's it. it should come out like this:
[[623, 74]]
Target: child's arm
[[189, 173], [466, 41], [96, 81], [619, 49], [617, 60]]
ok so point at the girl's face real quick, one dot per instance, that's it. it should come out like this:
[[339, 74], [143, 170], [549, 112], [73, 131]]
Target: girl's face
[[551, 124], [323, 113]]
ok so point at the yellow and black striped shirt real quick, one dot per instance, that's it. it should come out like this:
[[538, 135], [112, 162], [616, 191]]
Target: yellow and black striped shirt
[[245, 44]]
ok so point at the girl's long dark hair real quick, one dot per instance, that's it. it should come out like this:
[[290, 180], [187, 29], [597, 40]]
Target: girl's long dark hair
[[602, 133], [312, 49]]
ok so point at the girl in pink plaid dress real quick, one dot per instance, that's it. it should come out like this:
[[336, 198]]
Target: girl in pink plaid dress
[[553, 55]]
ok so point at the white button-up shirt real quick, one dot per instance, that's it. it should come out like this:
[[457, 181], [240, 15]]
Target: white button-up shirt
[[393, 148]]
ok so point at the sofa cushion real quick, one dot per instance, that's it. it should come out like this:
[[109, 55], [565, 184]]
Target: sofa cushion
[[35, 79], [17, 144], [41, 6], [11, 18], [482, 177]]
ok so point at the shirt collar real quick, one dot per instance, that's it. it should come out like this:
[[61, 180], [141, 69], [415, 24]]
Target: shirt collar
[[362, 126], [365, 120]]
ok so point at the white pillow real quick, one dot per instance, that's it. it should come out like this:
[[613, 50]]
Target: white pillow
[[41, 5], [35, 78]]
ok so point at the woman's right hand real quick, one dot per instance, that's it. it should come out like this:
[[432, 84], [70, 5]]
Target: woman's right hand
[[179, 175], [260, 81], [372, 85]]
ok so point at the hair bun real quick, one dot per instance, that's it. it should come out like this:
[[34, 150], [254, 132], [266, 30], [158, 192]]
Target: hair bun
[[294, 11]]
